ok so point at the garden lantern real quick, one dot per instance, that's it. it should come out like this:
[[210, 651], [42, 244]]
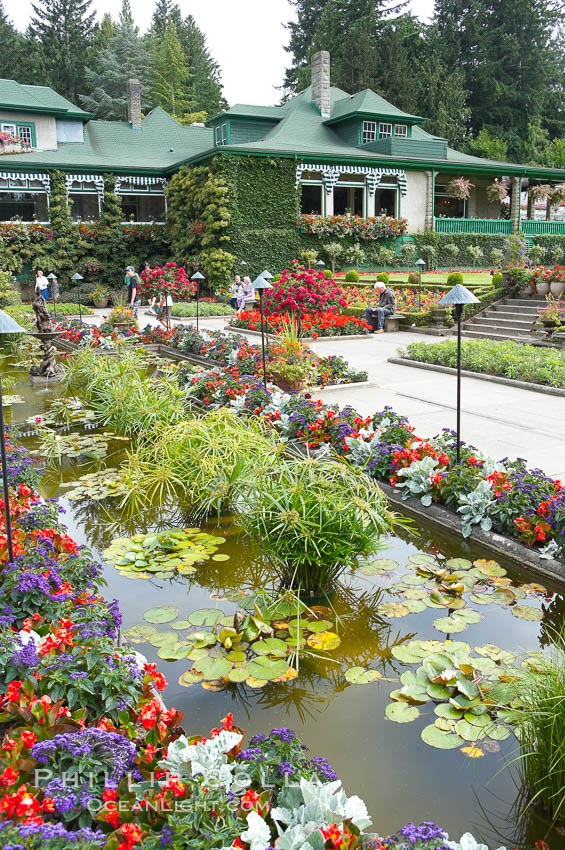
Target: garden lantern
[[320, 264], [266, 276], [78, 277], [457, 297], [7, 326], [54, 291], [197, 277], [421, 264], [259, 285]]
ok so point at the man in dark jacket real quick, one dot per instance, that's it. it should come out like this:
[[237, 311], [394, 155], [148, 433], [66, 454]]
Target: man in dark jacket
[[386, 306]]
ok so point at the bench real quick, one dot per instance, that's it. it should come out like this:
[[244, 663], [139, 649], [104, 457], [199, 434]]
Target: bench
[[392, 323]]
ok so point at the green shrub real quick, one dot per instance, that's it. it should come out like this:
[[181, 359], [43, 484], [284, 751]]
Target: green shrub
[[188, 310], [384, 278], [328, 273], [414, 278], [454, 278], [352, 276], [497, 280], [9, 295]]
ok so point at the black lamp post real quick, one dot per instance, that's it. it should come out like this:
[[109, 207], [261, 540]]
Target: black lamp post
[[54, 291], [259, 285], [7, 326], [421, 266], [78, 277], [457, 297], [197, 277]]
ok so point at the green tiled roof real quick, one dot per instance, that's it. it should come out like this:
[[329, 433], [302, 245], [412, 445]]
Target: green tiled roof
[[367, 102], [159, 145], [19, 98], [245, 110]]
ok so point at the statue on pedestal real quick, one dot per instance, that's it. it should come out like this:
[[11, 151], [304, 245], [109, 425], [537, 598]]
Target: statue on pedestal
[[48, 368]]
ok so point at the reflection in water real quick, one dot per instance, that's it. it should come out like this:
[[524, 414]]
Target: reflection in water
[[386, 763]]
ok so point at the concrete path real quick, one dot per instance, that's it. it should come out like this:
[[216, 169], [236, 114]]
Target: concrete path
[[501, 421]]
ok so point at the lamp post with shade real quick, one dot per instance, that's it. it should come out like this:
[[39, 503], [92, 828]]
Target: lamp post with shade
[[78, 277], [7, 326], [54, 291], [458, 297], [197, 276], [321, 264], [259, 285], [421, 264]]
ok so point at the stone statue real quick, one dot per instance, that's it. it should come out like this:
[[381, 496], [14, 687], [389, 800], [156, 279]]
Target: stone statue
[[48, 368]]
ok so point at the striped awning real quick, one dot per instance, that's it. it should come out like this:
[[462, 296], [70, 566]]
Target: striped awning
[[331, 175], [97, 179], [138, 180], [28, 175]]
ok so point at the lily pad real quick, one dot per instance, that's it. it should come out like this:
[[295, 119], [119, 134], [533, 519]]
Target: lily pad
[[239, 674], [414, 694], [435, 737], [415, 606], [400, 712], [361, 676], [481, 598], [503, 596], [421, 558], [469, 732], [213, 668], [190, 677], [264, 667], [394, 609], [139, 634], [449, 625], [459, 564], [490, 568], [437, 691], [270, 646], [205, 617], [319, 625], [472, 752], [526, 612], [161, 614], [220, 557], [253, 682], [180, 625], [448, 711], [324, 640]]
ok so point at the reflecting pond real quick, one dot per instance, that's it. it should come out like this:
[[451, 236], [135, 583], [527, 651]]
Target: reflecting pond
[[399, 776]]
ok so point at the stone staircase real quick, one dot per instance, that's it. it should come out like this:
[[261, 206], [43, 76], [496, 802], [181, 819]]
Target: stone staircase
[[509, 318]]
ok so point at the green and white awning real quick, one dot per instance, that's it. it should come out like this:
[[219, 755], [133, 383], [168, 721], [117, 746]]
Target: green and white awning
[[85, 183], [373, 176], [138, 180], [15, 179]]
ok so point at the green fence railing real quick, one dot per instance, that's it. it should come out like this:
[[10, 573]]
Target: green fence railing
[[492, 226], [539, 228]]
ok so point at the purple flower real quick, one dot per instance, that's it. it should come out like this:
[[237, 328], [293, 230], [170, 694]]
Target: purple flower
[[324, 769], [285, 768]]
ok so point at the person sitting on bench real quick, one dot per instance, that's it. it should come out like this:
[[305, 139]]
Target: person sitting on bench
[[386, 306]]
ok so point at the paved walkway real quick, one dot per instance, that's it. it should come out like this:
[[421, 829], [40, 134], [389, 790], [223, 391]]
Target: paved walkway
[[501, 421]]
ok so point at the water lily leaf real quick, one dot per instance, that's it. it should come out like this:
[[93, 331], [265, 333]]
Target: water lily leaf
[[213, 668], [173, 652], [162, 638], [448, 711], [481, 598], [503, 596], [161, 614], [400, 712], [414, 693], [290, 674], [445, 724], [415, 606], [205, 617], [253, 682], [236, 656], [420, 558], [221, 557], [438, 691], [270, 646], [496, 653], [379, 566], [318, 625], [394, 609], [449, 625], [216, 686], [490, 568], [468, 688], [407, 678], [526, 612], [472, 752], [324, 640], [468, 616], [414, 579], [190, 677], [264, 667], [179, 625], [139, 633], [459, 564], [469, 732], [407, 653], [415, 593], [361, 676], [480, 720], [202, 639], [239, 674], [198, 653], [499, 732], [442, 740]]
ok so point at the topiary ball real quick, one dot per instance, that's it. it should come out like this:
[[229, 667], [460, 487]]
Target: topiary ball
[[454, 278], [351, 276], [384, 278]]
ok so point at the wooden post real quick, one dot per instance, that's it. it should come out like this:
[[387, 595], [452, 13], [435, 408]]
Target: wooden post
[[429, 217], [515, 200]]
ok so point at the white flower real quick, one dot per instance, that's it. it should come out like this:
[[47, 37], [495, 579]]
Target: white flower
[[258, 834], [468, 842], [26, 637]]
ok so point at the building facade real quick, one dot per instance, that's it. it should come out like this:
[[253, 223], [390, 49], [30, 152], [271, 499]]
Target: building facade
[[354, 154]]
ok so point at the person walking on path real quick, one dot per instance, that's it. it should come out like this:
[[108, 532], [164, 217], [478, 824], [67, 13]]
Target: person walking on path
[[132, 283], [164, 310], [41, 286], [386, 306]]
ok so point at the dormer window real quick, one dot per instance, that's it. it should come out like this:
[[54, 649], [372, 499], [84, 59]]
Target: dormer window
[[401, 130], [221, 135], [369, 131], [385, 131]]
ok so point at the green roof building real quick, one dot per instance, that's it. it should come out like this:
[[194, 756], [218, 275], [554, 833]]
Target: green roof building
[[355, 154]]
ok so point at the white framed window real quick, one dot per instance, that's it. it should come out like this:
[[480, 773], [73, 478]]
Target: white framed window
[[221, 135], [385, 131], [25, 135], [369, 131], [9, 128], [401, 130]]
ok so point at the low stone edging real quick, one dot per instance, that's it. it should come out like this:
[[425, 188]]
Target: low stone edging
[[231, 330], [364, 385], [481, 376], [498, 544]]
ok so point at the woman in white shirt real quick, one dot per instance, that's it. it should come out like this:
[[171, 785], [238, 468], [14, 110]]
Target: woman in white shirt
[[41, 286], [165, 306]]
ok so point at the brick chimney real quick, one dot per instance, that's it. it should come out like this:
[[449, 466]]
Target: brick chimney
[[321, 82], [133, 90]]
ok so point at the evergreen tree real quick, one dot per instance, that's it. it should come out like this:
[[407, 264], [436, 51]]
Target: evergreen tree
[[126, 56], [164, 11], [11, 46], [488, 146], [203, 69], [442, 98], [171, 85], [308, 13], [63, 31]]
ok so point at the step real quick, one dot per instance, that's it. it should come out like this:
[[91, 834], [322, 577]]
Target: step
[[523, 315], [524, 302], [500, 337], [515, 311], [488, 322]]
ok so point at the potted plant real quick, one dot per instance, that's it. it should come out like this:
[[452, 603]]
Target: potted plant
[[557, 282], [313, 518], [551, 316], [291, 363], [122, 318], [460, 188], [100, 297]]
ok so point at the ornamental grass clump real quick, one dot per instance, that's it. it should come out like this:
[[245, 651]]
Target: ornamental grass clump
[[541, 732], [313, 518]]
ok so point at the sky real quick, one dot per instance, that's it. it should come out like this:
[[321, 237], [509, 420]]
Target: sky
[[246, 38]]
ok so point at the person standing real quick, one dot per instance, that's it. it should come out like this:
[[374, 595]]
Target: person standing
[[165, 309], [235, 289], [132, 283], [41, 286], [385, 306]]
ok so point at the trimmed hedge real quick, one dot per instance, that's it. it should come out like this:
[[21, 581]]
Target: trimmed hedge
[[185, 311]]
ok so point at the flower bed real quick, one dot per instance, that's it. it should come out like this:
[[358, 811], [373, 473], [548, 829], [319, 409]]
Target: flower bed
[[408, 300], [504, 496], [315, 324], [103, 336], [380, 227], [91, 757], [513, 360], [302, 291]]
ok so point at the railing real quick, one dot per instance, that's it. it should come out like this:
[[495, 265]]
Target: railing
[[538, 228], [473, 225]]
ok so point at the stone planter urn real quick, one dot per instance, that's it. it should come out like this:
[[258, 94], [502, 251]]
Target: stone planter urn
[[101, 303], [439, 316], [549, 323], [556, 288], [289, 386], [542, 287]]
